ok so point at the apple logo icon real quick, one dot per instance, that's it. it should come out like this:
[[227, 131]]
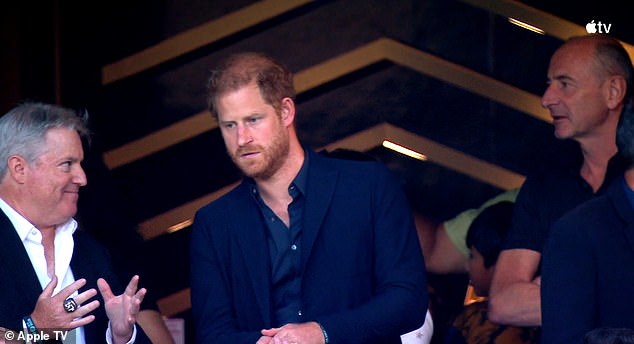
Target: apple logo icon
[[591, 27]]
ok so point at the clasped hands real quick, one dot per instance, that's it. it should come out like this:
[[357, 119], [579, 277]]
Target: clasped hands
[[121, 309], [304, 333]]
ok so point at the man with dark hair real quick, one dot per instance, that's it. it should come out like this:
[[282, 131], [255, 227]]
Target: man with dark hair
[[307, 249], [587, 274]]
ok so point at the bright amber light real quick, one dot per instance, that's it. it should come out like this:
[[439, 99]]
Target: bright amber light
[[403, 150], [179, 226], [526, 26]]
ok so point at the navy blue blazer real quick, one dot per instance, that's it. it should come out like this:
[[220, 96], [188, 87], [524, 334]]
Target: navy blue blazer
[[20, 288], [363, 274], [588, 269]]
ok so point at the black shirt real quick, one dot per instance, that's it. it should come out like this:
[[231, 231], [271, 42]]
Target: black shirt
[[285, 250], [546, 196]]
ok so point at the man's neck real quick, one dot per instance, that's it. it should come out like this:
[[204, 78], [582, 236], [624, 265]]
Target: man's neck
[[48, 241], [596, 156], [598, 147]]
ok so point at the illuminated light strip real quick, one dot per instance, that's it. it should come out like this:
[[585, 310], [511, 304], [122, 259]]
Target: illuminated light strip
[[403, 150], [180, 225], [526, 26], [553, 26]]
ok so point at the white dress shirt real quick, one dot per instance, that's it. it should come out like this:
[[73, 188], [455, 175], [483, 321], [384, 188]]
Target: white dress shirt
[[64, 244]]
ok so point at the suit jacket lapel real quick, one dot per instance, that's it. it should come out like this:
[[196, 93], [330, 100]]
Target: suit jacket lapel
[[320, 188], [79, 264], [251, 230], [16, 260], [622, 204], [251, 236]]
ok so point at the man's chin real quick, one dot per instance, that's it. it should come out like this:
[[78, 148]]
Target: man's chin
[[257, 173], [250, 171], [562, 134]]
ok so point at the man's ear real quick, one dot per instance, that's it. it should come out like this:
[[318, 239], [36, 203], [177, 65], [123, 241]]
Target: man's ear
[[17, 168], [617, 88], [287, 111]]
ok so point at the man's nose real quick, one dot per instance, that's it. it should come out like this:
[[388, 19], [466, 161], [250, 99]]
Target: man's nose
[[244, 135], [549, 97], [79, 177]]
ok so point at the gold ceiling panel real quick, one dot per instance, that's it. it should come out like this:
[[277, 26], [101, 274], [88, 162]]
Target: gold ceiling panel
[[197, 37], [383, 49]]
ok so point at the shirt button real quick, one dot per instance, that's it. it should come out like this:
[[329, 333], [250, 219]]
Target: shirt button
[[299, 313], [294, 247]]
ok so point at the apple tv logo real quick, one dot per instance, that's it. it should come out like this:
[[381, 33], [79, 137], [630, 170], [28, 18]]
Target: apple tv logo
[[599, 27]]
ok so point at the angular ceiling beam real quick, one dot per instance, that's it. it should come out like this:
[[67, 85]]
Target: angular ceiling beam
[[197, 37], [383, 49]]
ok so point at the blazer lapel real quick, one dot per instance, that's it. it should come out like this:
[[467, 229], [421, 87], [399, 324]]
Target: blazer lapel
[[320, 188], [624, 209], [17, 262], [251, 238]]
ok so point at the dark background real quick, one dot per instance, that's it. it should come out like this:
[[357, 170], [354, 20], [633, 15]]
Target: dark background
[[54, 51]]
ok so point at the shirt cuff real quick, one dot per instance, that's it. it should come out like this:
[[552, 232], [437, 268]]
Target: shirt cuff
[[109, 335]]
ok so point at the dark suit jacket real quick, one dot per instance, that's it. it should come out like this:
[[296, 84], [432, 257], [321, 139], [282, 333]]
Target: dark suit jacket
[[20, 288], [363, 274], [588, 269]]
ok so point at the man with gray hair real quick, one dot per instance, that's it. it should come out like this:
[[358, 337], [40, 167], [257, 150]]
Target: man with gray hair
[[49, 270]]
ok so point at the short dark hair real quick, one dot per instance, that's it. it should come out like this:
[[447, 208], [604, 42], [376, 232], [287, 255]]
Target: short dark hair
[[488, 230], [273, 79]]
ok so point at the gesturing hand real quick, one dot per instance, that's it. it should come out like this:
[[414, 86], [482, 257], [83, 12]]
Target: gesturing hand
[[49, 310], [122, 309]]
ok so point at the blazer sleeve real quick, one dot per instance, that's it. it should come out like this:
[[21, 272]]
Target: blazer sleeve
[[399, 301], [211, 294], [567, 285]]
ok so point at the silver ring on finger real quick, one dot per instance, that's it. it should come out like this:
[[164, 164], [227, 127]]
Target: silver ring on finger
[[70, 305]]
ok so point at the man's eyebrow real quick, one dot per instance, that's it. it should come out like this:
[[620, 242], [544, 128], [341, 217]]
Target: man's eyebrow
[[562, 77]]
